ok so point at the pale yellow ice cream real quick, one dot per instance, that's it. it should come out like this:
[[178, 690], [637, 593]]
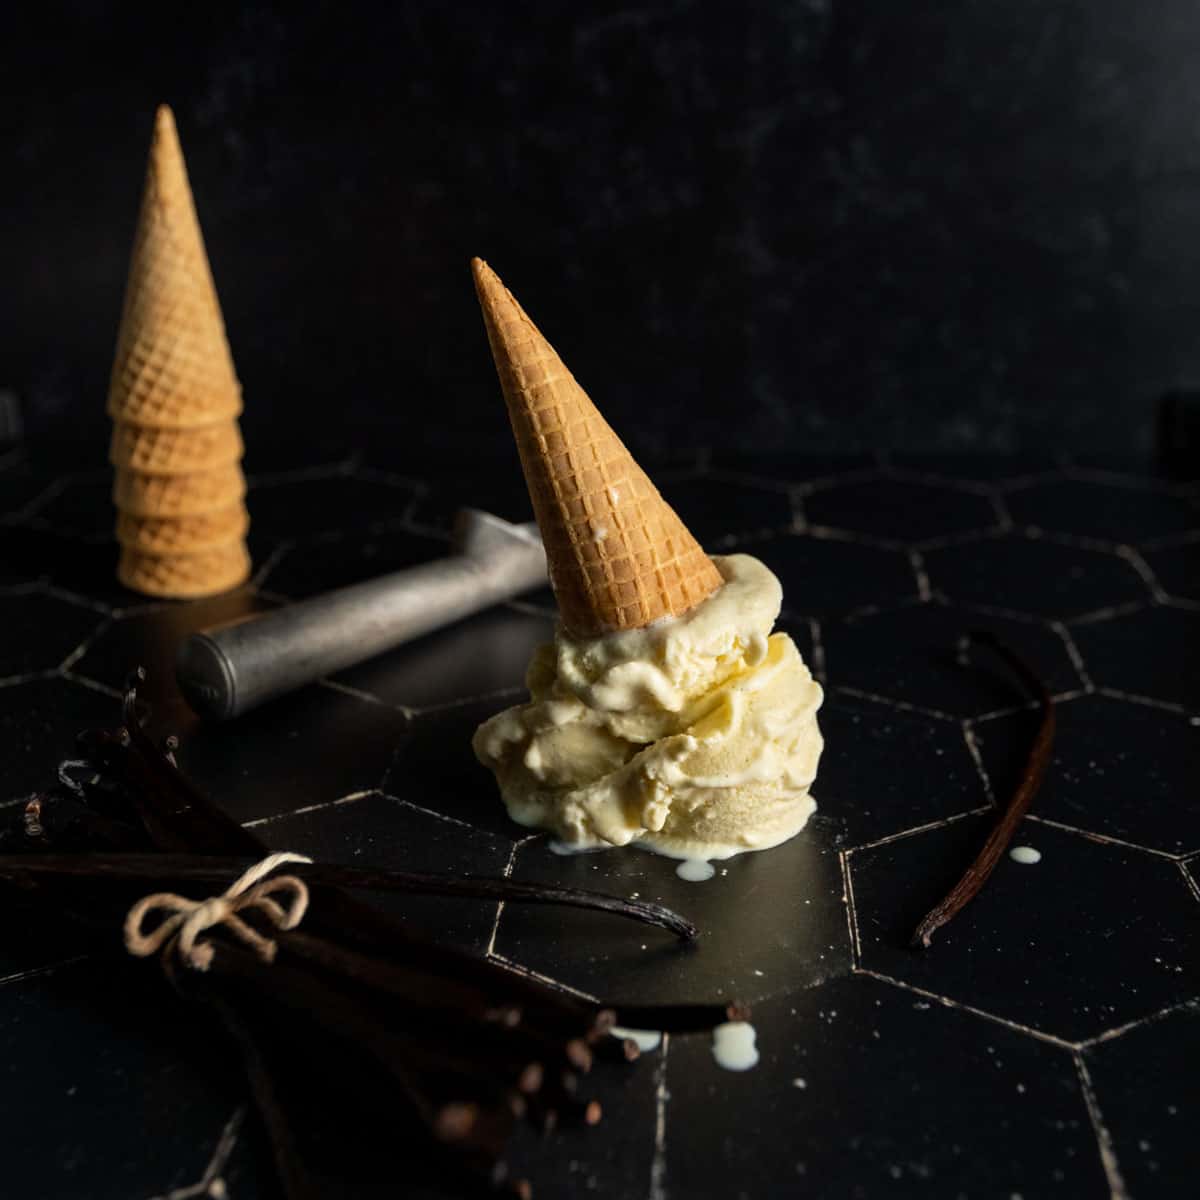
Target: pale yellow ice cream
[[695, 736]]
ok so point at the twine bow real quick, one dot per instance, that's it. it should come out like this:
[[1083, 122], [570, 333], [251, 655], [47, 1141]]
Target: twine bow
[[188, 919]]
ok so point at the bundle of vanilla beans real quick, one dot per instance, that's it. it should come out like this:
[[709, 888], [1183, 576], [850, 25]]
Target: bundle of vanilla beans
[[376, 1056]]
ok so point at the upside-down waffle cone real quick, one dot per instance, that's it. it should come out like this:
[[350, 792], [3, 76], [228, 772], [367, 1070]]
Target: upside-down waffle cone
[[172, 367], [175, 451], [183, 535], [184, 576], [178, 495], [619, 556]]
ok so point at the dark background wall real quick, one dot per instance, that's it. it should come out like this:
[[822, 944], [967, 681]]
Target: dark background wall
[[803, 223]]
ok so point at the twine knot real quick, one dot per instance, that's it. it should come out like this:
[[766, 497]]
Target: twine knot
[[186, 920]]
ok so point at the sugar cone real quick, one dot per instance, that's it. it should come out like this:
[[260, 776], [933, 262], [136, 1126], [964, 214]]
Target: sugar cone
[[174, 399], [185, 576], [178, 495], [167, 536], [619, 556], [175, 451], [172, 368]]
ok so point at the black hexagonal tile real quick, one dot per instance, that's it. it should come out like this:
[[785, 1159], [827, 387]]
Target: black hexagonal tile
[[485, 653], [1086, 939], [40, 631], [744, 951], [910, 655], [866, 1090], [830, 577], [1108, 511], [1124, 770], [717, 509], [115, 1099], [1033, 576], [790, 469], [976, 468], [151, 640], [39, 720], [1153, 653], [300, 508], [436, 769], [336, 561], [22, 482], [1145, 1083], [83, 507], [85, 567], [899, 510], [862, 786], [382, 832], [1177, 568], [306, 748]]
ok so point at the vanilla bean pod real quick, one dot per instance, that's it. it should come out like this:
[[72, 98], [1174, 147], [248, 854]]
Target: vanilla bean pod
[[977, 874], [184, 868], [294, 1177], [359, 1003]]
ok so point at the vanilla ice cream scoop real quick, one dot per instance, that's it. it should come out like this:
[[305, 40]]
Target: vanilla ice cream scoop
[[666, 713], [694, 736]]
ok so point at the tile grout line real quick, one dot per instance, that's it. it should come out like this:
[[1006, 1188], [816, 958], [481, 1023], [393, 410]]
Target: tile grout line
[[1064, 635], [506, 874], [658, 1163], [928, 827], [448, 706], [1134, 558], [1108, 612], [311, 808], [28, 677], [345, 689], [902, 705], [1145, 701], [1103, 839], [48, 969], [441, 816], [88, 642], [545, 980], [1108, 1156], [851, 910], [1110, 1035], [947, 1002], [1188, 878], [917, 562], [973, 750]]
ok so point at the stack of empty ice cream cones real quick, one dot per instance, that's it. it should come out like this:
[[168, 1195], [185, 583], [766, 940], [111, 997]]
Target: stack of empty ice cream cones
[[174, 400]]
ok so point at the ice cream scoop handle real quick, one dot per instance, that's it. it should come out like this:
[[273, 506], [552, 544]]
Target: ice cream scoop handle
[[227, 671]]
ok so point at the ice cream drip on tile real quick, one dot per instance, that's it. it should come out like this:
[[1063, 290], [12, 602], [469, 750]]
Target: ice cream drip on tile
[[666, 714]]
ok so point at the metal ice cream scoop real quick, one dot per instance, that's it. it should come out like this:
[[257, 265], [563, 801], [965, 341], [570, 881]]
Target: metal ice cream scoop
[[230, 669]]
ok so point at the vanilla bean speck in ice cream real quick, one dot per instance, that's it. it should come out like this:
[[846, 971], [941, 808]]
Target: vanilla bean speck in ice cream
[[694, 736]]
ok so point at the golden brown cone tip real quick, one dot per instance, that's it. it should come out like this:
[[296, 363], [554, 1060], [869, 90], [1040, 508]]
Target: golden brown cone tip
[[619, 556], [172, 367]]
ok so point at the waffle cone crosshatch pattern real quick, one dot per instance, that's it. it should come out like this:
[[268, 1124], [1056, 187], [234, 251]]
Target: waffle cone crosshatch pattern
[[174, 400]]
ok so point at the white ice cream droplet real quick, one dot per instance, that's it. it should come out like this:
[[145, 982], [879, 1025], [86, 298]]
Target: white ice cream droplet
[[733, 1046], [599, 533], [646, 1039], [695, 870], [613, 495], [1026, 855]]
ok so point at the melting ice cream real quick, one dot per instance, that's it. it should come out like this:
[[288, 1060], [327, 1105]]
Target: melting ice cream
[[694, 736]]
